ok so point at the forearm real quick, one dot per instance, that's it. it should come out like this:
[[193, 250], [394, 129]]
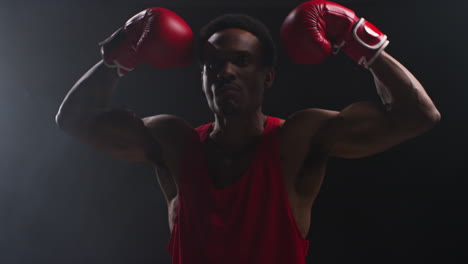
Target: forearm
[[91, 93], [402, 94]]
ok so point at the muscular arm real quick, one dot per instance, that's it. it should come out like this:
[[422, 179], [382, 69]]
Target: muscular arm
[[309, 33], [85, 114], [363, 128], [359, 130], [366, 128]]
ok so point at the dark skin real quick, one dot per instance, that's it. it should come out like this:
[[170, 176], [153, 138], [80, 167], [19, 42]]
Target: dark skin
[[234, 80]]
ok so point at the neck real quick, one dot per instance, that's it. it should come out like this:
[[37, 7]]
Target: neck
[[237, 132]]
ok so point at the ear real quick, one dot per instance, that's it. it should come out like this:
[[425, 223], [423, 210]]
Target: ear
[[269, 77]]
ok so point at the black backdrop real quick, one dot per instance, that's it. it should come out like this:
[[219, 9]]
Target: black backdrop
[[63, 202]]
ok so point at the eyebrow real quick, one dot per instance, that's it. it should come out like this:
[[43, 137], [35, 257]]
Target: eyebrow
[[242, 52], [235, 53]]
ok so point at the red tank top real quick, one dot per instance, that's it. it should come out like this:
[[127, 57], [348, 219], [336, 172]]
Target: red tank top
[[250, 222]]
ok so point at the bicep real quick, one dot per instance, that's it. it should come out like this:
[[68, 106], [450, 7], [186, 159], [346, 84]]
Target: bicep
[[362, 129], [117, 132]]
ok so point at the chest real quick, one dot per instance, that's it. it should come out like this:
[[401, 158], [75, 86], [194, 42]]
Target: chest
[[226, 170]]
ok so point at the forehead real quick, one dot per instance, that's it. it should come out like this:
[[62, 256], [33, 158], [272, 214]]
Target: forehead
[[233, 39]]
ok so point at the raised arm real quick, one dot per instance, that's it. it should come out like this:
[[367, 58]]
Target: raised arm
[[318, 28], [366, 128], [86, 112]]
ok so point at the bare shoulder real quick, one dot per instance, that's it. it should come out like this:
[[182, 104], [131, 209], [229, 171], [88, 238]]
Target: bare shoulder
[[172, 133], [304, 124], [168, 125]]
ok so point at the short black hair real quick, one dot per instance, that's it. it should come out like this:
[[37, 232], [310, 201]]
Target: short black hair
[[245, 22]]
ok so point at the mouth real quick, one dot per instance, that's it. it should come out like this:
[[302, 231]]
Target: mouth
[[226, 87]]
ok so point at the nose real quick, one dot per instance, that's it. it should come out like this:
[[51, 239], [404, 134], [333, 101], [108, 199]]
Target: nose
[[226, 72]]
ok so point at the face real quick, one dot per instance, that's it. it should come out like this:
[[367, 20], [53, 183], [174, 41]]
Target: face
[[233, 75]]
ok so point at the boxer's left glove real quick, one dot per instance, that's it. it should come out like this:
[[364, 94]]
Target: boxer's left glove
[[316, 29], [156, 36]]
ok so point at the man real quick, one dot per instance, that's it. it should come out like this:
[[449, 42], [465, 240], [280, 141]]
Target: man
[[240, 189]]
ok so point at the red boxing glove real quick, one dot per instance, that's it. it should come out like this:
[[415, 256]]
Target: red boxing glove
[[156, 35], [316, 29]]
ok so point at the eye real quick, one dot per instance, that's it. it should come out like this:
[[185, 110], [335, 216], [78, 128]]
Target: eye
[[242, 60]]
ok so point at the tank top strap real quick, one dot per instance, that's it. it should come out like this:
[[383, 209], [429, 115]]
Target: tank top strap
[[203, 131], [270, 133], [272, 123]]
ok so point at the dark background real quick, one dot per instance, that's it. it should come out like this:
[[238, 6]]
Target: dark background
[[63, 202]]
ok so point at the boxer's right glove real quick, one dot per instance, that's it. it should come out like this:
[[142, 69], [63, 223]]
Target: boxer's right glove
[[156, 36], [316, 29]]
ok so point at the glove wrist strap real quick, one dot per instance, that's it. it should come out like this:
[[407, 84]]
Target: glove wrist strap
[[364, 43], [118, 52]]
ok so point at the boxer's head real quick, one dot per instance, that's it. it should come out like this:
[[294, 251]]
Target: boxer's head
[[237, 58]]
